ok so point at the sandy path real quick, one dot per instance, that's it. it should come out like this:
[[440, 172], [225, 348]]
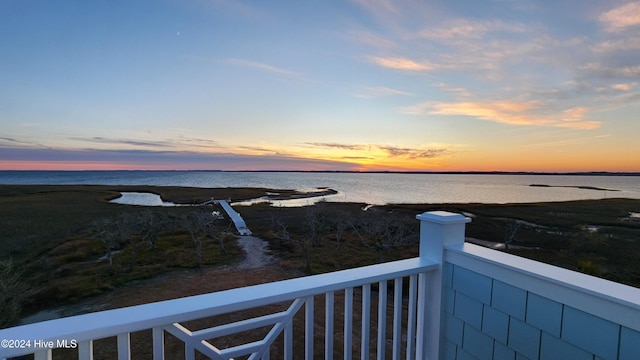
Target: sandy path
[[255, 253]]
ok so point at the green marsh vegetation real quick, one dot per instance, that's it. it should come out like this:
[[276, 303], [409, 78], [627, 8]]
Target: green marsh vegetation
[[61, 244]]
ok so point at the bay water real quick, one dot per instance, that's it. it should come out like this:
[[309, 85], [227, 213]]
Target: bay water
[[370, 188]]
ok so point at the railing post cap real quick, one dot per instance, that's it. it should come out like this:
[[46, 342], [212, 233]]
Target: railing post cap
[[443, 217]]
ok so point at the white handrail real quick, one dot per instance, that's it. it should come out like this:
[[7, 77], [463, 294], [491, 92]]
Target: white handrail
[[83, 328]]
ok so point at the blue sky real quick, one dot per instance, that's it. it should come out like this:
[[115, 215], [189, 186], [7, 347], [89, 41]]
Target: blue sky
[[326, 85]]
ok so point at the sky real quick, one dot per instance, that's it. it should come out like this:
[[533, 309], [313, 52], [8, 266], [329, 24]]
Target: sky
[[351, 85]]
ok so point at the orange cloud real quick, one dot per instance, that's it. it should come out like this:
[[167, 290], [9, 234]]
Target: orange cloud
[[574, 114], [381, 157], [508, 112], [622, 17], [399, 63], [621, 87]]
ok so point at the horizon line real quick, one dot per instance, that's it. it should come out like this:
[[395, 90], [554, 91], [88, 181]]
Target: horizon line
[[465, 172]]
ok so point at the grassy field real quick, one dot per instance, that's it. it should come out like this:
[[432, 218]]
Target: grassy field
[[56, 240]]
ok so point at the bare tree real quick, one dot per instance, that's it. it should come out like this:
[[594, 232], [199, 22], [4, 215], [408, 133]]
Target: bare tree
[[341, 223], [282, 232], [114, 234], [383, 229], [216, 216], [201, 225], [103, 231], [151, 225], [355, 224], [316, 222], [195, 224], [510, 231]]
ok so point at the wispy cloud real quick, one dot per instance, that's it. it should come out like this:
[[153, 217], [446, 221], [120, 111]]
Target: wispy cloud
[[414, 153], [87, 159], [388, 150], [628, 43], [456, 90], [355, 147], [515, 60], [468, 29], [611, 71], [379, 7], [401, 63], [525, 113], [622, 17], [380, 91], [623, 87], [16, 142], [13, 141], [371, 39], [196, 142], [172, 143], [132, 142], [265, 67]]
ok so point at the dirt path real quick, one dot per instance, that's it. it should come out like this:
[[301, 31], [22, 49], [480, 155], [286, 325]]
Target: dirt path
[[255, 253]]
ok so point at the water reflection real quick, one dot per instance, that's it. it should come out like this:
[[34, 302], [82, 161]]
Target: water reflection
[[306, 201], [149, 199], [141, 199]]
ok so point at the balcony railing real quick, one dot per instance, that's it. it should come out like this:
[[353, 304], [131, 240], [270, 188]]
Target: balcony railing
[[453, 301]]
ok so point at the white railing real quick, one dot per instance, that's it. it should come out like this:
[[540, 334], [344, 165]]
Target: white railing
[[411, 331], [169, 317]]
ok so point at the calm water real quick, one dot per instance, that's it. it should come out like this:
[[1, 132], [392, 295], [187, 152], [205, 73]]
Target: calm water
[[363, 187]]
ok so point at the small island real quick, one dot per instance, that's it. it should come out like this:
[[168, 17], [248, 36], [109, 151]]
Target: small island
[[574, 186]]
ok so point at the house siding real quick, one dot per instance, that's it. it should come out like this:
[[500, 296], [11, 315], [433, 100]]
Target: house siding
[[495, 320]]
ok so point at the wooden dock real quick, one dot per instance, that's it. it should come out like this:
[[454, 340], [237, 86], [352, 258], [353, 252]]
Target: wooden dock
[[241, 226]]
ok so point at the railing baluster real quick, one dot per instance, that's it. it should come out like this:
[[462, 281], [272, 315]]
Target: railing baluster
[[328, 325], [189, 352], [124, 346], [421, 325], [411, 318], [288, 340], [348, 322], [85, 350], [397, 317], [382, 318], [366, 321], [42, 355], [309, 324], [158, 343]]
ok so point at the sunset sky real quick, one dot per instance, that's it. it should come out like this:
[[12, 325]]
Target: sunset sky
[[365, 85]]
